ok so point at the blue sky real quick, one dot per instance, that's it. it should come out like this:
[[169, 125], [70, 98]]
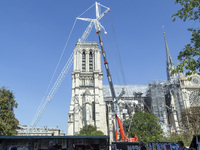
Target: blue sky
[[33, 35]]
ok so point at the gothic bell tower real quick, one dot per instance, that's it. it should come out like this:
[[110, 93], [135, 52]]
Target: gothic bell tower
[[87, 106]]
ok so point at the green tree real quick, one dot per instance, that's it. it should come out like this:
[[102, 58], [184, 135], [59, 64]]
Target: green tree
[[190, 56], [147, 127], [190, 119], [8, 122], [186, 137], [90, 130]]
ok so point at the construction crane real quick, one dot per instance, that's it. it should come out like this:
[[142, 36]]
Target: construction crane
[[98, 28]]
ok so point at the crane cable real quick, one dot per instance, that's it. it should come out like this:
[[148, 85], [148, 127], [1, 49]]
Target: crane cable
[[113, 60], [119, 58], [117, 47], [86, 10], [121, 67], [43, 100]]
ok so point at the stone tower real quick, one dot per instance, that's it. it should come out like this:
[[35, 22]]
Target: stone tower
[[87, 106]]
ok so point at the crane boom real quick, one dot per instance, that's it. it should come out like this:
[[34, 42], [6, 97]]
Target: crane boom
[[118, 121], [107, 67], [115, 100], [116, 107], [87, 32], [52, 91]]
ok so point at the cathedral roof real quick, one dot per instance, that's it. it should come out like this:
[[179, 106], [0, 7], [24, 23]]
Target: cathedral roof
[[129, 90]]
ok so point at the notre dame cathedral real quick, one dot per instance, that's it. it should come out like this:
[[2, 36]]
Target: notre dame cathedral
[[91, 101]]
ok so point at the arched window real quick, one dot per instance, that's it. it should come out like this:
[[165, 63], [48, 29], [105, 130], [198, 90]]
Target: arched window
[[93, 110], [90, 62], [83, 62]]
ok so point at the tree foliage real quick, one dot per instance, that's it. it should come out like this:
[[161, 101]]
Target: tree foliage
[[90, 130], [8, 122], [190, 119], [190, 56], [147, 127], [186, 137], [190, 10]]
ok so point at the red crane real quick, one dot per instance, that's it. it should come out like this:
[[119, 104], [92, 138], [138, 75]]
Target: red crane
[[115, 99]]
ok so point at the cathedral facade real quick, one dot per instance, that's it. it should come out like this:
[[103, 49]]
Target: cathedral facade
[[87, 104], [91, 101]]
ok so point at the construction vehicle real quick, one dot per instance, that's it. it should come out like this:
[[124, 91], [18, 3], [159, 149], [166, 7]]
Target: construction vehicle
[[115, 99]]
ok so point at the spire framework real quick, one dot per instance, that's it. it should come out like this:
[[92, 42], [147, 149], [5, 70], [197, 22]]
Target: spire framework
[[169, 61]]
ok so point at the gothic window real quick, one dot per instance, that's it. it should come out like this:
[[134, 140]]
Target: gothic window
[[83, 62], [90, 62], [70, 119], [93, 110]]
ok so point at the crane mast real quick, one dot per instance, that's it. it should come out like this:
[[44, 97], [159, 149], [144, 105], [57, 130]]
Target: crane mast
[[109, 81], [116, 107], [118, 121], [107, 67], [98, 28]]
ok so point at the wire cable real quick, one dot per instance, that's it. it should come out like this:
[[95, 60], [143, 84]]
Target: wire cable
[[115, 39], [86, 10], [113, 60], [119, 58]]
